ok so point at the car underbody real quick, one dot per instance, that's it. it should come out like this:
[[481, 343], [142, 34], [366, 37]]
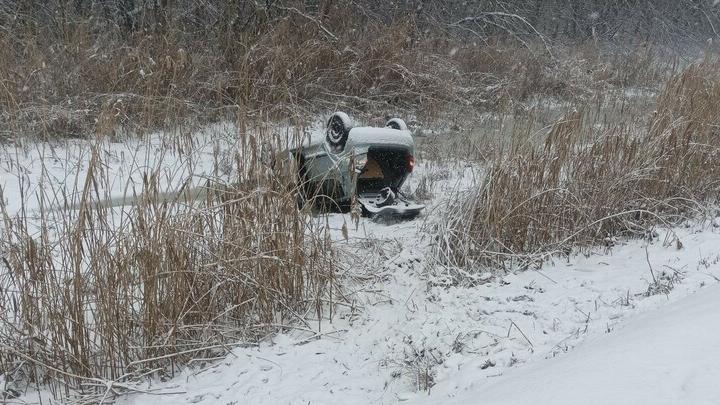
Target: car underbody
[[364, 164]]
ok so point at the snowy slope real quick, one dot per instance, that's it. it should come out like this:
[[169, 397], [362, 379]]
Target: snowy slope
[[667, 356], [404, 330]]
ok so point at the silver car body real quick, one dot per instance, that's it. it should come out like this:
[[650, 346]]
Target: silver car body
[[342, 174]]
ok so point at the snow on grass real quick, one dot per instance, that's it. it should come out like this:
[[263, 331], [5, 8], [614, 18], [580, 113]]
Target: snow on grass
[[665, 356], [400, 336], [403, 334], [61, 166]]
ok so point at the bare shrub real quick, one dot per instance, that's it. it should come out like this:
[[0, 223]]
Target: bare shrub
[[582, 185]]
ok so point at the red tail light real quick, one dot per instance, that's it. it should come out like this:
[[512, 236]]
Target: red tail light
[[410, 162]]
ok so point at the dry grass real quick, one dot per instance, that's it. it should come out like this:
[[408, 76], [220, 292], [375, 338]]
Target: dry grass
[[594, 179], [81, 77], [93, 298]]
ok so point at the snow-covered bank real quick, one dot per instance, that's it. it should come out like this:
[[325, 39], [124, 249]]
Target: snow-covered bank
[[667, 356], [402, 333]]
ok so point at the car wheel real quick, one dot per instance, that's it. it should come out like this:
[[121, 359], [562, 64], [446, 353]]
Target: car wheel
[[338, 130], [396, 123]]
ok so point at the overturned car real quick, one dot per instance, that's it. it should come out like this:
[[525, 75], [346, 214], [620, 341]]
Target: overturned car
[[368, 164]]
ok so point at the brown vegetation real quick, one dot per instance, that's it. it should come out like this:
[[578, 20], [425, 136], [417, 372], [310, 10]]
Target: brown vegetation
[[95, 297], [97, 294], [593, 180], [71, 71]]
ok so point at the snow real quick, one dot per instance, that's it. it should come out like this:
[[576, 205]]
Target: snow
[[582, 329], [405, 328], [666, 356], [360, 136], [47, 167], [483, 338]]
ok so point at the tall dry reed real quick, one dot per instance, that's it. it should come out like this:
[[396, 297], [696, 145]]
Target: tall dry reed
[[591, 181], [94, 297]]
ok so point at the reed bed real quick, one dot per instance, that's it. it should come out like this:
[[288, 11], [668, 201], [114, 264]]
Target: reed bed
[[589, 180], [94, 297]]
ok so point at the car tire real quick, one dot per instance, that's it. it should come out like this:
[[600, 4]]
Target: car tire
[[338, 130], [397, 123]]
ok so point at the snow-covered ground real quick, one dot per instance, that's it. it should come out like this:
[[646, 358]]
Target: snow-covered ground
[[467, 340], [587, 329], [407, 337], [45, 168], [665, 356]]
